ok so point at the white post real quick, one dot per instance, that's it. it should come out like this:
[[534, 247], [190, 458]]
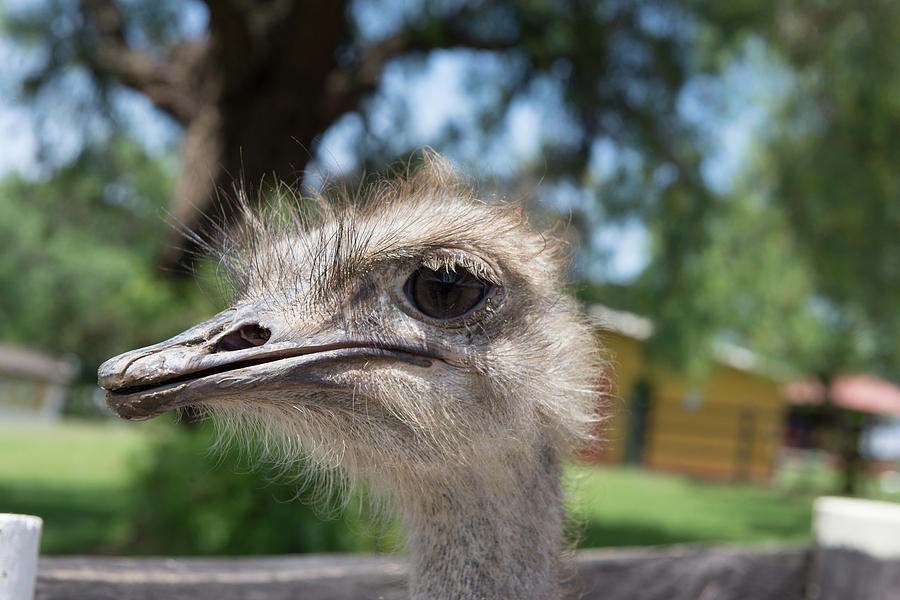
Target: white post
[[20, 537], [867, 525]]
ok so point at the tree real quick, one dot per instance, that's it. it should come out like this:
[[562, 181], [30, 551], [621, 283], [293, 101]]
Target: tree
[[256, 85], [264, 80], [834, 158], [802, 255]]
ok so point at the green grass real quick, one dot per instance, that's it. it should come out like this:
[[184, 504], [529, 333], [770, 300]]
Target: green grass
[[79, 479], [71, 454], [617, 506], [76, 477]]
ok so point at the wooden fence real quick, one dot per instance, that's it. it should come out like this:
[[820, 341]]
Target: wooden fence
[[673, 573]]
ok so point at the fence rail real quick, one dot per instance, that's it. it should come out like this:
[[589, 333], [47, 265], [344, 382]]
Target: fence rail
[[672, 573]]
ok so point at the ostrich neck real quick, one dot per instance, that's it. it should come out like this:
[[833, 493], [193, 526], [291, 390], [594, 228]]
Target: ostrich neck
[[484, 535]]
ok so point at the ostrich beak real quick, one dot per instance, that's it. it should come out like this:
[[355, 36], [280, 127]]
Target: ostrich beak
[[239, 351]]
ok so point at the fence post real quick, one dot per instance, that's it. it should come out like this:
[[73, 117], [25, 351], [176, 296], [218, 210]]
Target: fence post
[[20, 537], [866, 525], [858, 550]]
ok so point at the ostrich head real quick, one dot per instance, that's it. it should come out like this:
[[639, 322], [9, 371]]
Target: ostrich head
[[411, 336]]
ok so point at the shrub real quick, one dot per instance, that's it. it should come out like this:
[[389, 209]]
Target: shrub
[[191, 500]]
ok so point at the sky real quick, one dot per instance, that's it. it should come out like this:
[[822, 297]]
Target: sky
[[19, 150]]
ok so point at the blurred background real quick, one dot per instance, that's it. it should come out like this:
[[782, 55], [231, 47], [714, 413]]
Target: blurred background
[[727, 173]]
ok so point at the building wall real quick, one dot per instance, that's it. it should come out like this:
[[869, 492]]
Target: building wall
[[727, 427], [26, 399]]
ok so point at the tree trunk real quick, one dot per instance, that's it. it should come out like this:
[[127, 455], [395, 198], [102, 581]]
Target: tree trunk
[[846, 426], [259, 110], [252, 96], [851, 426]]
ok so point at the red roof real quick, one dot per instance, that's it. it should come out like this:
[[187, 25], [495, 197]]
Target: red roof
[[865, 393]]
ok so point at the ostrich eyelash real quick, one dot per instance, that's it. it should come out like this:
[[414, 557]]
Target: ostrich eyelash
[[459, 260]]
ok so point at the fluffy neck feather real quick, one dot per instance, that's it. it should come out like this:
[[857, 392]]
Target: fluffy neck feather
[[486, 536]]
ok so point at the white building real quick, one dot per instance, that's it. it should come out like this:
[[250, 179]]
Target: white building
[[33, 384]]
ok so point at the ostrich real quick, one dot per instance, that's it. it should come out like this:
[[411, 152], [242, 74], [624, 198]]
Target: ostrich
[[416, 339]]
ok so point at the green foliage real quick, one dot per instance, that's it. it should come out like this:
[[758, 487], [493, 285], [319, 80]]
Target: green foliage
[[833, 157], [800, 259], [748, 285], [191, 500], [77, 258], [608, 76]]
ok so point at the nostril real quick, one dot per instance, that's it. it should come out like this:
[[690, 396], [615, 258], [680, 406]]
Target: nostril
[[247, 336]]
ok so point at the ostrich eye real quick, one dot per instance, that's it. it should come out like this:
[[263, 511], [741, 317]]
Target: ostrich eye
[[445, 293]]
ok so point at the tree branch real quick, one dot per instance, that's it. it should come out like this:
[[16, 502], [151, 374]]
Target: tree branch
[[136, 70]]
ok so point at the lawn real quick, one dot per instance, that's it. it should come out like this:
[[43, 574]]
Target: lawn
[[79, 479], [76, 477], [618, 506]]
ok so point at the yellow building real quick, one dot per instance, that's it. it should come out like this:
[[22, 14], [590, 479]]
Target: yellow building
[[727, 427]]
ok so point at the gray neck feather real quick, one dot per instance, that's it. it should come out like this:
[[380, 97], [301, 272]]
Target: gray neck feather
[[481, 537]]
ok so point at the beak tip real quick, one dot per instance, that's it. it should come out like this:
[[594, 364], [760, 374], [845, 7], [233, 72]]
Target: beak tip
[[108, 375], [126, 409]]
